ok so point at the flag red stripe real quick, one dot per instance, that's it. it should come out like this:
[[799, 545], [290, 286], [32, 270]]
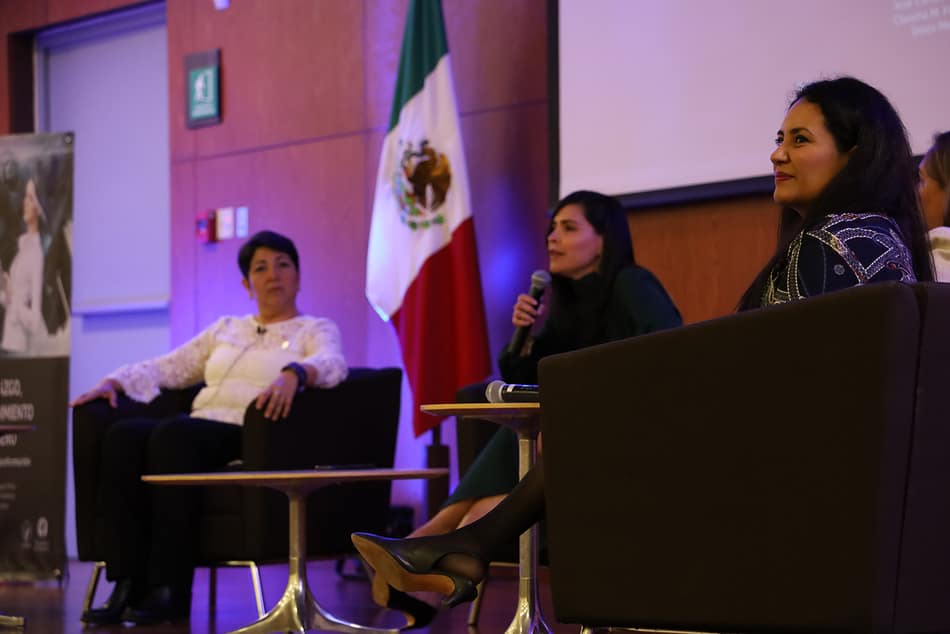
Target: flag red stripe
[[441, 326]]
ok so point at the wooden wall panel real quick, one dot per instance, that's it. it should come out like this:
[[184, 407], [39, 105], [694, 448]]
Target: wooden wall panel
[[291, 70], [508, 71], [66, 10], [306, 192], [183, 321], [21, 15], [499, 51], [507, 156], [706, 254], [180, 15], [382, 42]]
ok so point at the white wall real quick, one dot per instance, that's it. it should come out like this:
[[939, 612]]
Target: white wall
[[106, 80]]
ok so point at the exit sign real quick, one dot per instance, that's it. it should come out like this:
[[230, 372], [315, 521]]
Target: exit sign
[[203, 88]]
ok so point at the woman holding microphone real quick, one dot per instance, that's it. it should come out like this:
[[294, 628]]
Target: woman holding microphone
[[598, 293]]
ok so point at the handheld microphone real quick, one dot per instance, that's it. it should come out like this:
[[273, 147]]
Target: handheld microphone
[[539, 281], [501, 392]]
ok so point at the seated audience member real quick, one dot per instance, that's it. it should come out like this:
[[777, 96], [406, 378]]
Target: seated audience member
[[841, 163], [598, 294], [265, 358], [934, 188]]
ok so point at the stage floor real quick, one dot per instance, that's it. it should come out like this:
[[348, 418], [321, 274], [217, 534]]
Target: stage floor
[[50, 608]]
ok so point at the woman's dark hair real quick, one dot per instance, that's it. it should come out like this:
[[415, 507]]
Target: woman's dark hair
[[270, 240], [937, 165], [879, 176], [609, 219]]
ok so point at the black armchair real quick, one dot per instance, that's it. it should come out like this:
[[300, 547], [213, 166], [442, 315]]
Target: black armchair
[[353, 423], [780, 470]]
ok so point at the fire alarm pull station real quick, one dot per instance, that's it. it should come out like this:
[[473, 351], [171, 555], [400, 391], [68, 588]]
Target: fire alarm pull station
[[205, 229]]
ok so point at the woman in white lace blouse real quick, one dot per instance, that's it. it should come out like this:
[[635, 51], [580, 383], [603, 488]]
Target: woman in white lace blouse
[[265, 358]]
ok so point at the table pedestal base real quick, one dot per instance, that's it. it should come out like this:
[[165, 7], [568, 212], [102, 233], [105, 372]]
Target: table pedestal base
[[297, 610], [528, 618]]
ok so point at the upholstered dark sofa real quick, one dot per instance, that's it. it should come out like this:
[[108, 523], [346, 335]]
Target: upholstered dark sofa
[[780, 470]]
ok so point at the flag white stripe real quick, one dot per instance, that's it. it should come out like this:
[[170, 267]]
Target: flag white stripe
[[396, 252]]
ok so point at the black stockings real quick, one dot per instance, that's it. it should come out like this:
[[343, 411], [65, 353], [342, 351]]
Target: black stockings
[[515, 514]]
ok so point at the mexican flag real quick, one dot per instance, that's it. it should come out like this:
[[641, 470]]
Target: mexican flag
[[422, 265]]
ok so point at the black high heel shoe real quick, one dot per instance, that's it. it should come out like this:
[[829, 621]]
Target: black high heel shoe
[[115, 607], [412, 564], [418, 613]]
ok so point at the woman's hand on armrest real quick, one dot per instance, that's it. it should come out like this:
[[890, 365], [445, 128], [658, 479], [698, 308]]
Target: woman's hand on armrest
[[277, 397], [108, 389]]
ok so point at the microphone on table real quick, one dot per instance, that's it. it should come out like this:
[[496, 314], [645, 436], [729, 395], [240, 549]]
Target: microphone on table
[[501, 392], [539, 281]]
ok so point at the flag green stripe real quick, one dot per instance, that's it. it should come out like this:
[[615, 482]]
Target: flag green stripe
[[423, 45]]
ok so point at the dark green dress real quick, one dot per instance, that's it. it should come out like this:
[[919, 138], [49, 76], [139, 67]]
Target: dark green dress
[[587, 315]]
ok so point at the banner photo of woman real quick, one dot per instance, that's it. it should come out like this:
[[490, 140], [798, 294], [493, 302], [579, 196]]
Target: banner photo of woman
[[36, 220]]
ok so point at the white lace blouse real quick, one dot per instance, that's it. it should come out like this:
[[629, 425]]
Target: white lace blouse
[[237, 358]]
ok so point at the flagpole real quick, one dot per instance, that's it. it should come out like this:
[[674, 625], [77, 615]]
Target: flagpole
[[437, 457]]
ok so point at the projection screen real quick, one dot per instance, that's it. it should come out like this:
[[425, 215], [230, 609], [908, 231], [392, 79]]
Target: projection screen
[[668, 94]]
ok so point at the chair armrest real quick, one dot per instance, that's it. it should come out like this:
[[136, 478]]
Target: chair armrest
[[91, 419]]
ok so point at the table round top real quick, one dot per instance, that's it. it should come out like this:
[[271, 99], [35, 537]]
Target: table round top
[[310, 478], [487, 411], [524, 418]]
